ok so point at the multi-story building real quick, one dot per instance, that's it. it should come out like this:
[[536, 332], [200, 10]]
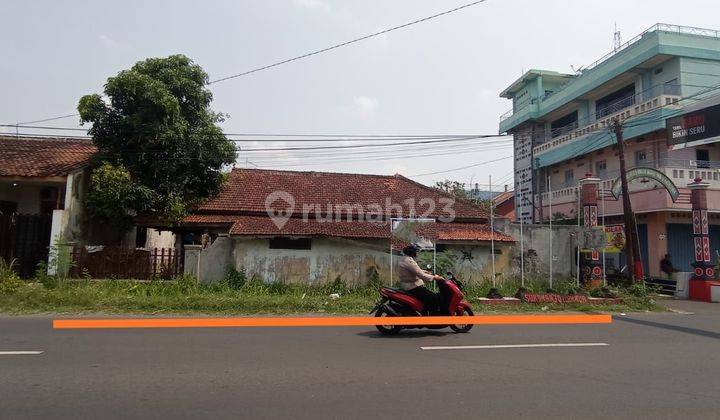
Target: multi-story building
[[562, 129]]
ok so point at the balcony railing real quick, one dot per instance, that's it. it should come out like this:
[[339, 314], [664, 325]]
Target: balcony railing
[[638, 105], [680, 171], [662, 27]]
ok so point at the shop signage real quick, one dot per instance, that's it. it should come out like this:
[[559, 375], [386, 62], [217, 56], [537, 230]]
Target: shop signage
[[694, 128]]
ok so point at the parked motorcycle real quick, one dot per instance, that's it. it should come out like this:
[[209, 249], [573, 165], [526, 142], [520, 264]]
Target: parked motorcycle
[[397, 303]]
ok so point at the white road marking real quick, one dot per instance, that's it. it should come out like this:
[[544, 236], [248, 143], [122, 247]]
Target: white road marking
[[14, 353], [514, 346]]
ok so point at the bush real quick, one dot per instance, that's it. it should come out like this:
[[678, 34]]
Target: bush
[[337, 286], [42, 277], [444, 261], [9, 280], [235, 279], [373, 278]]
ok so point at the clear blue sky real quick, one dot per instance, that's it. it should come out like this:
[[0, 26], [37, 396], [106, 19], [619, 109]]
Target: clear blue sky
[[441, 77]]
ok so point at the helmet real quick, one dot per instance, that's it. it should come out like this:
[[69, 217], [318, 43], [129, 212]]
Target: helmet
[[411, 250]]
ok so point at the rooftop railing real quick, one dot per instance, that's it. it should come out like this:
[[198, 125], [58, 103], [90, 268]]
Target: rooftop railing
[[662, 27]]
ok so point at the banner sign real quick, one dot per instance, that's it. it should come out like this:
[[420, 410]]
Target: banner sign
[[651, 173], [614, 238], [694, 128]]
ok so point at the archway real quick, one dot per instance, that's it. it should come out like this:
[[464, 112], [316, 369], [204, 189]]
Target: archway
[[651, 173]]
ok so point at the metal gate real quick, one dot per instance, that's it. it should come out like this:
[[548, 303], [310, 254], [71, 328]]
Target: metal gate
[[25, 238]]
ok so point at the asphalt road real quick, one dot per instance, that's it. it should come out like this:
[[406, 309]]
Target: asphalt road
[[654, 366]]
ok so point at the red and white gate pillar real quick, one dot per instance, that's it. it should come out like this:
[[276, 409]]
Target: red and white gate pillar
[[591, 270], [703, 271]]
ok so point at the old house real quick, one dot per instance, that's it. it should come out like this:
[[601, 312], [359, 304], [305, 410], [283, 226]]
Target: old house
[[289, 226], [42, 184]]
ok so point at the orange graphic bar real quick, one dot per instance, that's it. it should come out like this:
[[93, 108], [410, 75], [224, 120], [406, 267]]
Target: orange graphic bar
[[327, 321]]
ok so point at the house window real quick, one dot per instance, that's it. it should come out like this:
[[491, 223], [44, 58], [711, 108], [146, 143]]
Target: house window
[[614, 102], [601, 169], [640, 157], [141, 237], [290, 243], [569, 178], [564, 125], [50, 199]]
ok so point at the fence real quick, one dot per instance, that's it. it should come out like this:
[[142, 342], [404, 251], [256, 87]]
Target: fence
[[25, 238], [114, 262]]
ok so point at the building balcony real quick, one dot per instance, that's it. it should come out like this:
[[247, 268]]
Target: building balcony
[[656, 40], [661, 96], [681, 172]]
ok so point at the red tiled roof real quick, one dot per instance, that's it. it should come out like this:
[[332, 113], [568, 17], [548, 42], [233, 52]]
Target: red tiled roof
[[209, 219], [503, 197], [23, 156], [468, 232], [247, 190], [264, 226]]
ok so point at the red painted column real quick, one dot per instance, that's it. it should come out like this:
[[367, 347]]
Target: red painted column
[[703, 271], [591, 264]]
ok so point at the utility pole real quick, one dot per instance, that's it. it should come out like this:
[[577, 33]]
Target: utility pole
[[632, 245]]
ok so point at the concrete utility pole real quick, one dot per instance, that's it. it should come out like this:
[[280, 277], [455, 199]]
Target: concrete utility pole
[[632, 244]]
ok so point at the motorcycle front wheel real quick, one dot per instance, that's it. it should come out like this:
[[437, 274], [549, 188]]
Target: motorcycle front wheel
[[386, 329], [463, 328]]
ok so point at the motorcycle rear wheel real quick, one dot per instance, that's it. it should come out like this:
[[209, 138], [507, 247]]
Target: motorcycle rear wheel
[[386, 329], [463, 328]]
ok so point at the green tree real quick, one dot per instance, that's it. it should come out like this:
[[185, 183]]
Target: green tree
[[458, 190], [158, 140]]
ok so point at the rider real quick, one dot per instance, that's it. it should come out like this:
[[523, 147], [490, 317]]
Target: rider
[[412, 279]]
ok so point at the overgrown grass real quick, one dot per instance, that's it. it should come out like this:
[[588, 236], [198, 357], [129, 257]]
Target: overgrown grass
[[237, 295]]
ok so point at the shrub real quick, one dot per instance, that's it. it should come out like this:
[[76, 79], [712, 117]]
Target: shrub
[[42, 276], [444, 260], [337, 286], [373, 278], [235, 279], [9, 280]]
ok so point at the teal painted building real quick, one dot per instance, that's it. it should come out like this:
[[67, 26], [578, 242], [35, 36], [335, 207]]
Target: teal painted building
[[561, 124]]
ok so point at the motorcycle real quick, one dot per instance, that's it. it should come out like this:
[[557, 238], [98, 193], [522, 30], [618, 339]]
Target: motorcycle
[[397, 303]]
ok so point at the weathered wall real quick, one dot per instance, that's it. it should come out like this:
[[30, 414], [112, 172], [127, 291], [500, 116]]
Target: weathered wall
[[26, 195], [215, 260], [327, 260], [159, 239], [474, 261], [537, 238]]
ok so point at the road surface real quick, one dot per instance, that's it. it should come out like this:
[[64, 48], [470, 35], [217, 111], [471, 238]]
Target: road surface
[[640, 366]]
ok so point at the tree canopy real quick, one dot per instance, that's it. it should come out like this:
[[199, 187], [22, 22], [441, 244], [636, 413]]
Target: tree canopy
[[457, 189], [158, 139]]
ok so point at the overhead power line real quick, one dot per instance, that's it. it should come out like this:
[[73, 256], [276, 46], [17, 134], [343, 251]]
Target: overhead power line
[[47, 119], [343, 44], [463, 167], [282, 138], [355, 146]]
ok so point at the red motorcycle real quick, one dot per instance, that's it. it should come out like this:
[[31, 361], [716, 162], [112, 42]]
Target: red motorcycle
[[396, 302]]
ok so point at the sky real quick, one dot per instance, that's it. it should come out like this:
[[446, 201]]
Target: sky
[[440, 77]]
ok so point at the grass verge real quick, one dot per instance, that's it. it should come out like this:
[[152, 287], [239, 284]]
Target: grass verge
[[186, 296]]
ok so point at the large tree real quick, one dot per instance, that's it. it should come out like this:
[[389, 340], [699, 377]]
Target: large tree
[[158, 137]]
